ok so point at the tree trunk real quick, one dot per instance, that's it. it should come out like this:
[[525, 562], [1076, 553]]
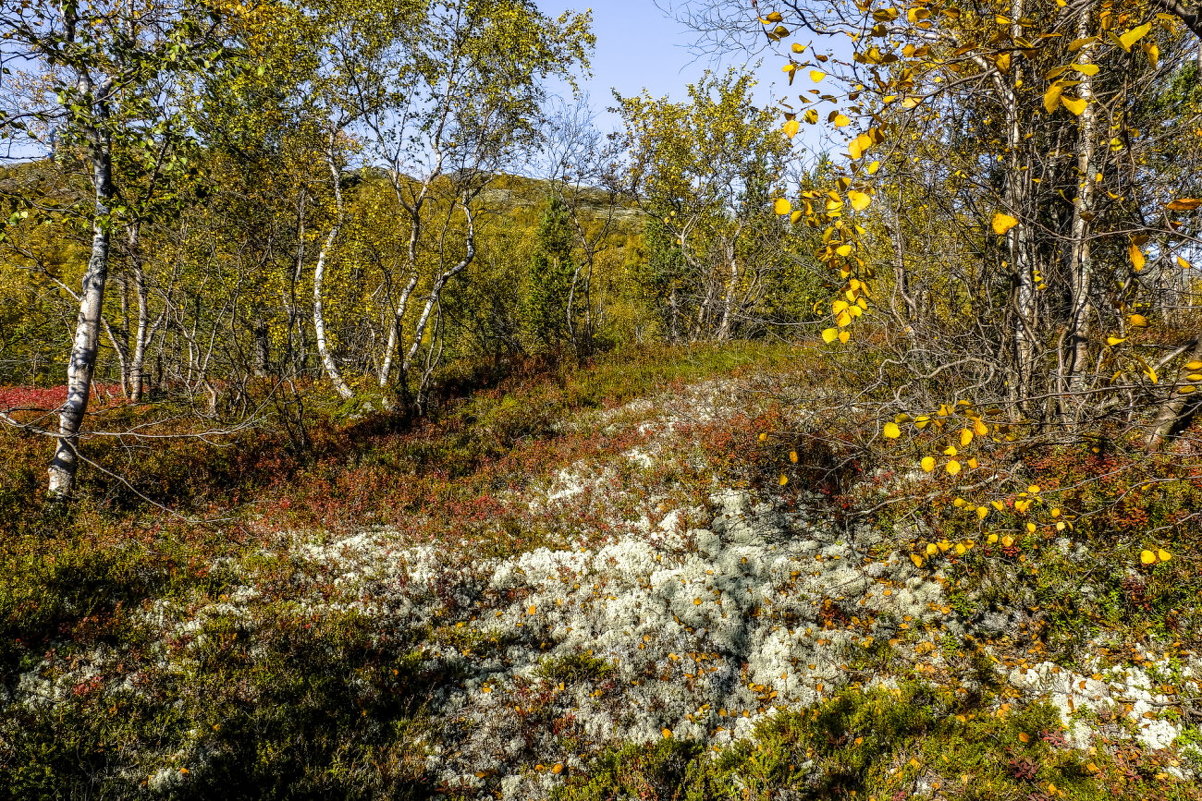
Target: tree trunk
[[319, 273], [1078, 330], [1172, 412], [436, 290], [137, 361], [65, 465], [1018, 239]]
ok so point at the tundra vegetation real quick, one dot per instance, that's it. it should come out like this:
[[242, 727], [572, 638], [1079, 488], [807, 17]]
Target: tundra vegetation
[[373, 426]]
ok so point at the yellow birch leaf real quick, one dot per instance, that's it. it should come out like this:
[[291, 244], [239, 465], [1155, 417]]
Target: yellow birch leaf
[[793, 457], [891, 431], [1193, 366], [916, 559], [1134, 35], [1112, 341], [783, 480], [1163, 555], [1147, 557], [782, 206], [953, 467], [928, 463], [830, 335], [817, 75], [1138, 321], [979, 428], [982, 512], [859, 200], [1138, 260], [1184, 204], [965, 438], [1086, 69], [791, 128], [1003, 223], [1051, 98], [1077, 105], [842, 120], [811, 116], [844, 337]]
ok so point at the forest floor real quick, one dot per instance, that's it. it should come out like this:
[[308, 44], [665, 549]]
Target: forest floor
[[680, 576]]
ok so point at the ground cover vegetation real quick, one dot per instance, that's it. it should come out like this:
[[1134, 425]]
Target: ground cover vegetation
[[692, 467]]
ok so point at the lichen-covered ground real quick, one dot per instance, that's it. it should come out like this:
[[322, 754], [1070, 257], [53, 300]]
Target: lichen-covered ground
[[664, 606]]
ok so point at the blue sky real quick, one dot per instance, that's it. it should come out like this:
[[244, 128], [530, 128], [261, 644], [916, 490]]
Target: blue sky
[[639, 47]]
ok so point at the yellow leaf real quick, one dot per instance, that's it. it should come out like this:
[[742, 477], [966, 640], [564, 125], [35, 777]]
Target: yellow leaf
[[951, 451], [817, 75], [791, 128], [1112, 341], [916, 559], [965, 438], [530, 610], [798, 48], [1077, 105], [844, 337], [1183, 264], [830, 335], [1184, 204], [1138, 260], [979, 428], [1051, 98], [891, 431], [1023, 737], [783, 480], [1193, 366], [782, 206], [928, 463], [874, 167], [953, 467], [1163, 555], [1147, 557], [842, 319], [1086, 69], [667, 733], [932, 549], [1007, 541], [842, 120], [793, 457], [1134, 35], [811, 116], [981, 512], [1138, 321], [859, 200], [1003, 223]]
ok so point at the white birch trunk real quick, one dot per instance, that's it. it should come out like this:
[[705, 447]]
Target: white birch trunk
[[319, 274]]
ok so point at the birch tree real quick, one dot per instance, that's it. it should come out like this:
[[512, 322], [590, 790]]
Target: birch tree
[[84, 77]]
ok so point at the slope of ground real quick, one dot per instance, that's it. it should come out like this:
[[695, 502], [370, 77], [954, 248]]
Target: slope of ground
[[648, 600]]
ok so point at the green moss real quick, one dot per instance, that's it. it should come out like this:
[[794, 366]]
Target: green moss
[[912, 742]]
